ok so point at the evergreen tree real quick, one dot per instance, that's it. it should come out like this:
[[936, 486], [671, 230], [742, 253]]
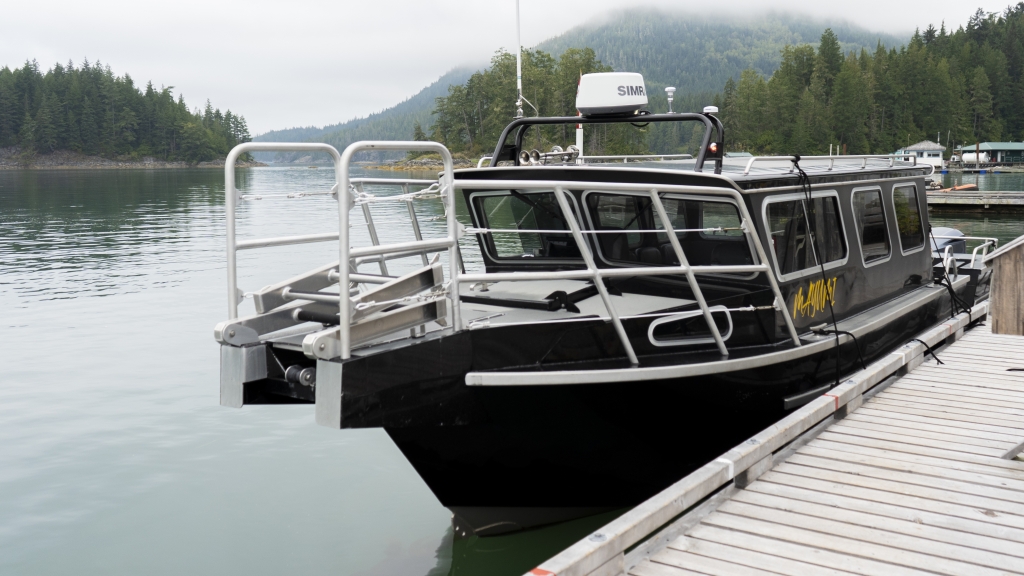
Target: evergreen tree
[[90, 110]]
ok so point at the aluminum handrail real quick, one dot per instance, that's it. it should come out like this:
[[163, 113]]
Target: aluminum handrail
[[832, 160], [1011, 245], [231, 201], [480, 162], [627, 157], [985, 243], [447, 190], [592, 271], [345, 253]]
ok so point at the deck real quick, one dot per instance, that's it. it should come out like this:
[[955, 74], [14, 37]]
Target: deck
[[911, 471]]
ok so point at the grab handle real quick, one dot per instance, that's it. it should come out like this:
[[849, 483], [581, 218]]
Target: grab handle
[[685, 316]]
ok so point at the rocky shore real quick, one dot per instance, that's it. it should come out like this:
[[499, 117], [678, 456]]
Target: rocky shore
[[427, 163], [13, 159]]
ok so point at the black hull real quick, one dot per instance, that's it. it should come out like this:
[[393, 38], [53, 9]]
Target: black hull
[[543, 451]]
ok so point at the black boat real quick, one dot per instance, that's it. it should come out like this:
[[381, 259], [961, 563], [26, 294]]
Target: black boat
[[626, 311]]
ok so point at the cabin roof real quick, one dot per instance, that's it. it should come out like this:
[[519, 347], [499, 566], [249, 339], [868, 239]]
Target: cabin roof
[[993, 146], [924, 145], [763, 174]]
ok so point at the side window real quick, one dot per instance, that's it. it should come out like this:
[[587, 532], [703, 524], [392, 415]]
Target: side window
[[908, 217], [619, 213], [675, 209], [871, 227], [720, 215], [794, 247], [525, 211], [826, 226]]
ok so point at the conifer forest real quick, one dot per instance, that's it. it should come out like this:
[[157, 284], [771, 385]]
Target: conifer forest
[[954, 86], [87, 109]]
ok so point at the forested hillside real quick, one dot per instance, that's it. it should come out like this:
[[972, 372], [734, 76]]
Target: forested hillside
[[89, 110], [959, 86], [395, 123], [696, 54]]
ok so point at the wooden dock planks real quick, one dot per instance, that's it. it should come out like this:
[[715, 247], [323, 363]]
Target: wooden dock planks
[[918, 480]]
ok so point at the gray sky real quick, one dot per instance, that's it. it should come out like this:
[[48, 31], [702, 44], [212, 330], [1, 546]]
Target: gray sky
[[311, 62]]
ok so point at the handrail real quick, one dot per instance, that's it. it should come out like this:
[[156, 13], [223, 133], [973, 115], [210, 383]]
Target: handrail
[[986, 242], [231, 200], [627, 157], [832, 160], [480, 162], [711, 124], [1019, 241], [750, 231], [447, 189], [451, 241]]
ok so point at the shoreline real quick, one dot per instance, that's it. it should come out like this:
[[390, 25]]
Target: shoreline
[[11, 159]]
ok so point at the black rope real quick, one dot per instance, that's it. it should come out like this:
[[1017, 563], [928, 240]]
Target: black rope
[[805, 185], [956, 304], [929, 348], [863, 365]]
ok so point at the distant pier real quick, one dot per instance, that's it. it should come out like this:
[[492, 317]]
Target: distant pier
[[976, 200]]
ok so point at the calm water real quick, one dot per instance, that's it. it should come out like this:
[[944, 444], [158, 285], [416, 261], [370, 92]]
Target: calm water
[[115, 457]]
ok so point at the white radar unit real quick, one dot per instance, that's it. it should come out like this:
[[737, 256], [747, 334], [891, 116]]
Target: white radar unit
[[611, 93]]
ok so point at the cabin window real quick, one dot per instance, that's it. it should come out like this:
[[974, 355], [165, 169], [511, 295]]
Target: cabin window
[[794, 248], [525, 211], [908, 217], [635, 214], [871, 226], [720, 215], [620, 213]]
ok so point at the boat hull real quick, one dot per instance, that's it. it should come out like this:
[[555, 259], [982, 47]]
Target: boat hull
[[537, 454]]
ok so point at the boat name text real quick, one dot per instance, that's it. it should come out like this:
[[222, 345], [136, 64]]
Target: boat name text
[[819, 294]]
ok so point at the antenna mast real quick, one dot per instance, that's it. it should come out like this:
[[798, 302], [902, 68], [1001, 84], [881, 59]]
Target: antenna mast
[[519, 68]]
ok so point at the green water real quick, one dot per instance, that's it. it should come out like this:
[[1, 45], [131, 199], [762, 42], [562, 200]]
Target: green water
[[115, 457]]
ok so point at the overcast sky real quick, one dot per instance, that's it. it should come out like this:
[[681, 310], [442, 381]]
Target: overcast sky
[[309, 62]]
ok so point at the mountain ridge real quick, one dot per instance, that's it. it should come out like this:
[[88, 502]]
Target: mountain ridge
[[697, 55]]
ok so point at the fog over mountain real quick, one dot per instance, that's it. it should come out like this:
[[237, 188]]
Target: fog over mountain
[[695, 54]]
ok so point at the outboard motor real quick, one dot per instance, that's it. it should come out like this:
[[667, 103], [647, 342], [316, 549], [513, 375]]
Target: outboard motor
[[939, 244]]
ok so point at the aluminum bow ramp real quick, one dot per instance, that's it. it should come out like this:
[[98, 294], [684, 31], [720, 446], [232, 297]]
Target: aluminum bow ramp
[[906, 468]]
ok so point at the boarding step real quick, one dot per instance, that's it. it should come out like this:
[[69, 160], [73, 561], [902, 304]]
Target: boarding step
[[290, 308]]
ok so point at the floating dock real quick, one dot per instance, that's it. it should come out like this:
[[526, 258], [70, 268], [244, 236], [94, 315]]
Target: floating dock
[[908, 467], [960, 200]]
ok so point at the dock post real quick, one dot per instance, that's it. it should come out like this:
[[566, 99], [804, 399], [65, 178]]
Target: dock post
[[1007, 297]]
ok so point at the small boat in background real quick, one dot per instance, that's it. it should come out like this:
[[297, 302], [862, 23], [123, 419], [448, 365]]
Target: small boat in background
[[961, 188]]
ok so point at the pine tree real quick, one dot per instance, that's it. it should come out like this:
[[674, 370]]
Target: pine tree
[[981, 107]]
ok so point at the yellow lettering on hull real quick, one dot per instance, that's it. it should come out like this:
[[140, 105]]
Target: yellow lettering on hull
[[819, 295]]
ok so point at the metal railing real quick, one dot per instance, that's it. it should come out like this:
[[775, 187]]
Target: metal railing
[[596, 275], [832, 160], [359, 255], [984, 246], [335, 342], [626, 158], [231, 201]]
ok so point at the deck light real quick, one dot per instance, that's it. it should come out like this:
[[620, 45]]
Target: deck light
[[671, 90]]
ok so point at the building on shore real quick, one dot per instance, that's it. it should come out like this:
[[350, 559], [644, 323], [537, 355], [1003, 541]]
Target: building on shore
[[992, 152], [926, 151]]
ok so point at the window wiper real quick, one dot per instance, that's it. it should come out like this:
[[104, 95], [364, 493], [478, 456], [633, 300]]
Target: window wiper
[[523, 198]]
